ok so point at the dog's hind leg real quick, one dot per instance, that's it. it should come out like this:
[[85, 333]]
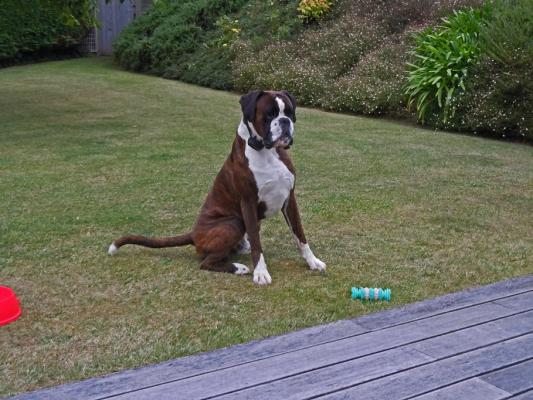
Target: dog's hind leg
[[220, 263], [244, 246], [216, 245]]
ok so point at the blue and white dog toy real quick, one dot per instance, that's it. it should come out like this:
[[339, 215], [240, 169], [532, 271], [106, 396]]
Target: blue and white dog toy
[[365, 293]]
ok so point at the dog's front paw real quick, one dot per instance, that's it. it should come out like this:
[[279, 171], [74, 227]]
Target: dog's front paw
[[261, 275], [315, 264]]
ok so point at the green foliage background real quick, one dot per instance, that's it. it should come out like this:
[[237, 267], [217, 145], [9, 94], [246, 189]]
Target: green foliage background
[[353, 60], [192, 40], [35, 28], [474, 72], [457, 64], [498, 98], [442, 57]]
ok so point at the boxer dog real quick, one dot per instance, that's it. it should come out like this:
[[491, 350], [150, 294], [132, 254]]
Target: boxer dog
[[255, 182]]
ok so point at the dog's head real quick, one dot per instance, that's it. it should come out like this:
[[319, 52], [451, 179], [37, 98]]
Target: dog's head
[[270, 116]]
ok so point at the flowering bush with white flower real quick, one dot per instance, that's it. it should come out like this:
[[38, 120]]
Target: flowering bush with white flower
[[498, 98], [354, 60]]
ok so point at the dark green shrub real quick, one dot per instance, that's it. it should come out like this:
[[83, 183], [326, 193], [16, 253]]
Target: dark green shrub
[[354, 60], [441, 60], [35, 28], [193, 40], [265, 22], [507, 37], [208, 67], [168, 33], [499, 92]]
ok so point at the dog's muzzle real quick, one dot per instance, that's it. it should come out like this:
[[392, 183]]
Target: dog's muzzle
[[284, 139]]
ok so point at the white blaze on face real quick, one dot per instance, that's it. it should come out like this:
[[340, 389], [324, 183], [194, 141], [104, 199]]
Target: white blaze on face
[[281, 105], [275, 127]]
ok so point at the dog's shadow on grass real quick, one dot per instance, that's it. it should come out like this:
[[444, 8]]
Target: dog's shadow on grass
[[185, 256], [160, 256]]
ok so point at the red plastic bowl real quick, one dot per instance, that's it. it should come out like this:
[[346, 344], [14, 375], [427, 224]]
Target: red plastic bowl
[[9, 306]]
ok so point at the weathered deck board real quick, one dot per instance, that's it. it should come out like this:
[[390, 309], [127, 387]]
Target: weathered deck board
[[374, 366], [524, 396], [354, 357], [125, 381], [515, 302], [477, 336], [434, 376], [472, 389], [299, 386], [327, 354], [515, 379]]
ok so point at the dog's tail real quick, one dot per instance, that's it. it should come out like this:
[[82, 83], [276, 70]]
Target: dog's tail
[[157, 243]]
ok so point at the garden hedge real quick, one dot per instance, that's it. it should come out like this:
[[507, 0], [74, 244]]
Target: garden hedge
[[192, 40], [498, 98], [33, 29], [354, 57]]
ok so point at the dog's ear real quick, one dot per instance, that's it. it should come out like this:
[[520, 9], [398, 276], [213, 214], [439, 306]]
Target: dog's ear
[[293, 101], [248, 102]]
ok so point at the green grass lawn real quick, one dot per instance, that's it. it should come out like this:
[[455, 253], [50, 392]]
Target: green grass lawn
[[89, 152]]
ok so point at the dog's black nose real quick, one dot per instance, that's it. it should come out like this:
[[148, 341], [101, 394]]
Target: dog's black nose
[[285, 123]]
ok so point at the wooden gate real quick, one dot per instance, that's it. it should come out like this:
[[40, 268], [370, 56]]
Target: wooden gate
[[113, 17]]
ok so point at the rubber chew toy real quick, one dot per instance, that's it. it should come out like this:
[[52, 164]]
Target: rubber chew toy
[[365, 293]]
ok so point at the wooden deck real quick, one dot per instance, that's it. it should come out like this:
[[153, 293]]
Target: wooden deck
[[476, 344]]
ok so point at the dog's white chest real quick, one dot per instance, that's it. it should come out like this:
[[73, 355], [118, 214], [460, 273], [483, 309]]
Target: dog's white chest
[[274, 180]]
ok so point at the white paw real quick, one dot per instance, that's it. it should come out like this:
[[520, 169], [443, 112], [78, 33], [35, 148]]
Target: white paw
[[241, 269], [112, 249], [315, 264], [261, 275], [244, 247]]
